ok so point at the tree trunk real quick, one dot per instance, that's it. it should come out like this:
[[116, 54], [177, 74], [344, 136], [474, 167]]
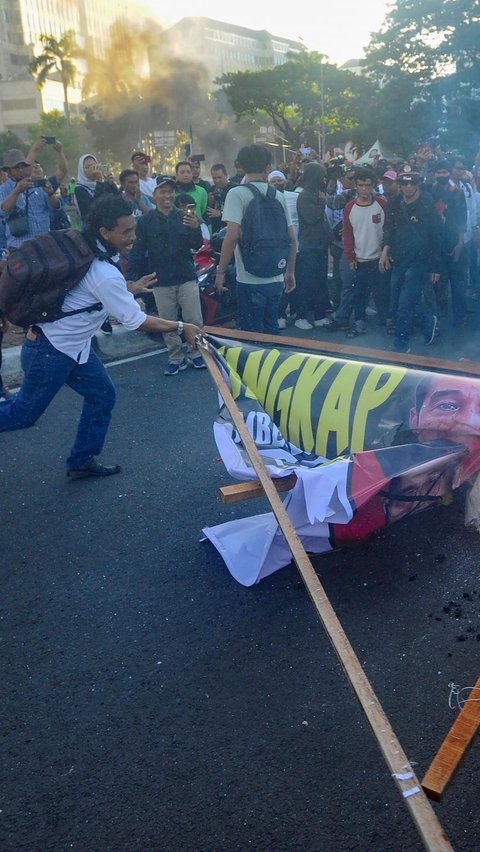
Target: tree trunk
[[66, 105]]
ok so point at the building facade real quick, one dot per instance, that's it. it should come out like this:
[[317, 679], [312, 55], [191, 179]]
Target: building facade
[[228, 48], [21, 24]]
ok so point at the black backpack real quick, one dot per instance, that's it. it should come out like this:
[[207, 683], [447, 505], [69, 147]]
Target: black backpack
[[39, 273], [265, 241]]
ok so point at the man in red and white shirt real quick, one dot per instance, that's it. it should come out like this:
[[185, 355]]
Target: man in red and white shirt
[[363, 220]]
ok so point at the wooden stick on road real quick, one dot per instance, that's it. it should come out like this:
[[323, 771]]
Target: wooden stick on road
[[428, 825], [459, 738]]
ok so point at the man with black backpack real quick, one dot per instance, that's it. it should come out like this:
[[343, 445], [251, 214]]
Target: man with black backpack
[[58, 352], [261, 234]]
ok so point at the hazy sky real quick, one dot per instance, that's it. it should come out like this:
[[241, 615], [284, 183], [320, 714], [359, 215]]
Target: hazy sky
[[340, 30]]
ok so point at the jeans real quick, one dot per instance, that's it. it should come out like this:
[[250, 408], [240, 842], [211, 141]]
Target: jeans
[[258, 306], [368, 278], [345, 308], [458, 275], [46, 371], [407, 284], [311, 274]]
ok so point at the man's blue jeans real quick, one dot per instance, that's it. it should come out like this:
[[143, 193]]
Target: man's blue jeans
[[46, 371], [407, 285], [258, 306]]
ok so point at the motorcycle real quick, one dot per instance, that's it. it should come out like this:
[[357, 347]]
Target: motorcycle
[[217, 308]]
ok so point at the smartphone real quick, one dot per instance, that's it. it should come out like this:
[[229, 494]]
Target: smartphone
[[40, 182], [190, 209], [50, 140]]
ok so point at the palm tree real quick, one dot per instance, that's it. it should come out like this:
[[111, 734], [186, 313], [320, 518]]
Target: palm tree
[[57, 57]]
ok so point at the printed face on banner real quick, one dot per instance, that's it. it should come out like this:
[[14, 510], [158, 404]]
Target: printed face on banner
[[446, 404]]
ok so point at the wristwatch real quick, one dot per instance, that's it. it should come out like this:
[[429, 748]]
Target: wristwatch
[[180, 327]]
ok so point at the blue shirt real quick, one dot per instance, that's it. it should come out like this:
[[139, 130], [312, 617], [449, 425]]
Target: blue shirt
[[38, 212]]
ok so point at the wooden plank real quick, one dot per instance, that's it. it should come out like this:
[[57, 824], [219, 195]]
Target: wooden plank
[[249, 490], [346, 350], [459, 738], [420, 809]]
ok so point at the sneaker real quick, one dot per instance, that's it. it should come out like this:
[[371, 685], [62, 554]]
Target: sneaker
[[197, 363], [303, 324], [430, 334], [106, 327], [322, 322], [282, 322], [173, 369], [370, 312]]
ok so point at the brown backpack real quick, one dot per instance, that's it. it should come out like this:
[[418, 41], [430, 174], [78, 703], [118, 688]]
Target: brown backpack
[[39, 273]]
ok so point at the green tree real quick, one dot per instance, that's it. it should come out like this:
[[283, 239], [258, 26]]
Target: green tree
[[9, 139], [428, 38], [428, 50], [306, 91], [75, 138], [57, 57]]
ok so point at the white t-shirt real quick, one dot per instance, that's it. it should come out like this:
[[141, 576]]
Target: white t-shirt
[[103, 283], [236, 202], [147, 186]]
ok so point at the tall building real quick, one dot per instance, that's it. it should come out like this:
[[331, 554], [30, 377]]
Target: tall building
[[227, 47], [21, 24]]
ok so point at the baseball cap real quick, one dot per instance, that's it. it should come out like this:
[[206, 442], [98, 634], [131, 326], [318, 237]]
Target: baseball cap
[[409, 177], [390, 174], [14, 157], [166, 180]]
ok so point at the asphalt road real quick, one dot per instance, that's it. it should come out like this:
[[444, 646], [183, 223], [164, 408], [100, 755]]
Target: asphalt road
[[150, 703]]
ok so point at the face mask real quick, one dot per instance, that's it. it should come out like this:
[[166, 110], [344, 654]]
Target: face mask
[[443, 180]]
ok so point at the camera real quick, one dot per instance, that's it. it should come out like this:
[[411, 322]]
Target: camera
[[40, 182], [336, 168], [50, 140]]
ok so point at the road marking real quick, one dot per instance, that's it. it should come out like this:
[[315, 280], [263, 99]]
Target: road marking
[[135, 358]]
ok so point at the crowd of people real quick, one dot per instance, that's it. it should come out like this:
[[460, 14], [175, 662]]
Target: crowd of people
[[399, 241]]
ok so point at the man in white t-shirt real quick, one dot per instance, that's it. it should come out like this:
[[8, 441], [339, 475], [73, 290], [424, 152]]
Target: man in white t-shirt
[[141, 164], [258, 298], [59, 353]]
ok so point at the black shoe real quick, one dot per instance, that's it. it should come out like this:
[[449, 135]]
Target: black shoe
[[93, 468], [106, 327]]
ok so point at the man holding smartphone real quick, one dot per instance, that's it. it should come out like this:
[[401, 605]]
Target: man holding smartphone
[[24, 207], [164, 239]]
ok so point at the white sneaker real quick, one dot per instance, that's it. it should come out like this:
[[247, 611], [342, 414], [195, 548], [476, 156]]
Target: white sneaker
[[303, 324], [370, 312], [322, 322], [282, 322]]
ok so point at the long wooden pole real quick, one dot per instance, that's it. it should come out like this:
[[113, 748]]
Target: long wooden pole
[[429, 827], [345, 350]]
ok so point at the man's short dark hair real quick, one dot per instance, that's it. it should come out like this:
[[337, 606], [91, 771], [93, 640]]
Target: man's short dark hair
[[182, 163], [218, 167], [184, 198], [138, 154], [126, 173], [254, 158], [365, 174], [105, 213]]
